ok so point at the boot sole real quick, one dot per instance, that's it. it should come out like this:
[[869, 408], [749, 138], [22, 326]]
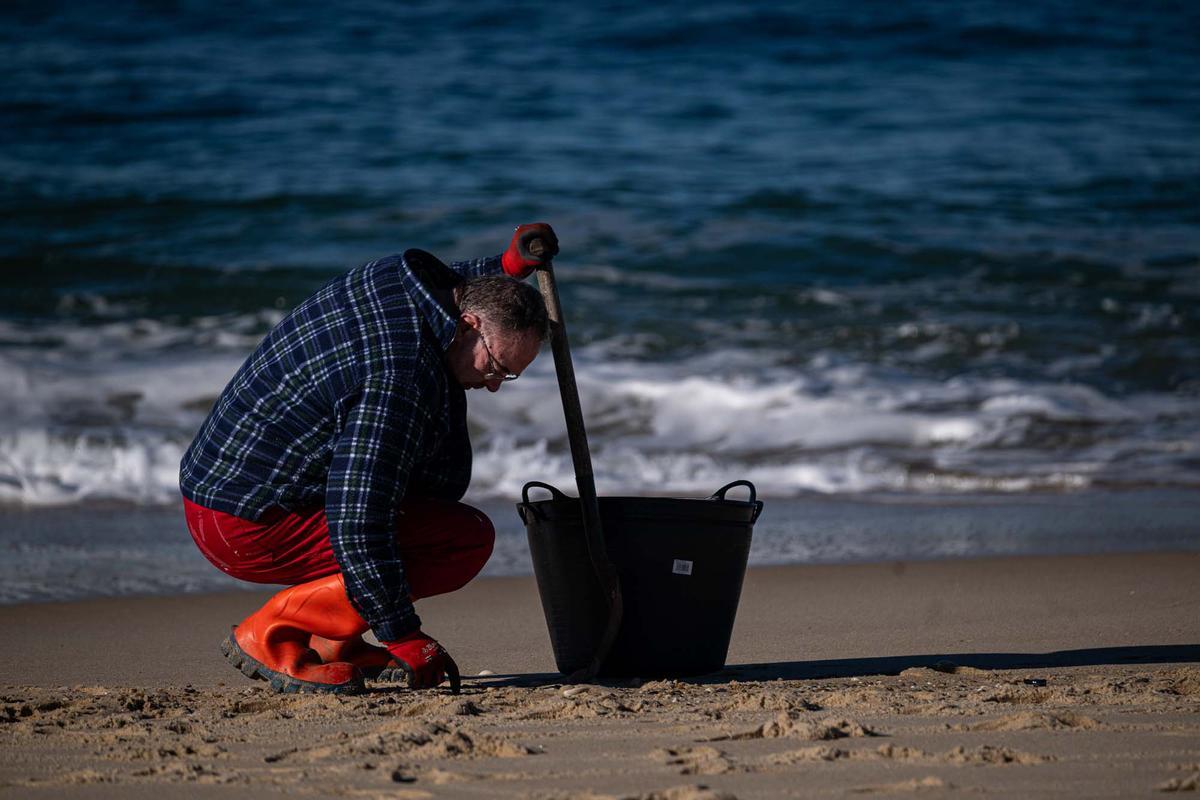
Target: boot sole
[[285, 684]]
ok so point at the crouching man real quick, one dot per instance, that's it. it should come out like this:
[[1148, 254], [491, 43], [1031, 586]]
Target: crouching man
[[335, 459]]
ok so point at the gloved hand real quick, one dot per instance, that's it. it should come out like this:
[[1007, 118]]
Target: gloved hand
[[425, 662], [518, 261]]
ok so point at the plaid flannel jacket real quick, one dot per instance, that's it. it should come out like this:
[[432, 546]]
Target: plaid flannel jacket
[[347, 403]]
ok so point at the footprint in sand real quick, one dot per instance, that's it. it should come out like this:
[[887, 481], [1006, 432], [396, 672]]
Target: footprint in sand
[[792, 725], [695, 760], [1034, 720]]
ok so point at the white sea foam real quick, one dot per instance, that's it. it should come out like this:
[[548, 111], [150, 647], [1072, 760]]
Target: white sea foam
[[107, 413], [39, 469]]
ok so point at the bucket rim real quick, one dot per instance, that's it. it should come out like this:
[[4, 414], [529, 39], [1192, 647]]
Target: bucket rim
[[717, 498]]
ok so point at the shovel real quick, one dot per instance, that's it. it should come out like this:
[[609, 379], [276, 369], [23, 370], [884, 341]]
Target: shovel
[[581, 456]]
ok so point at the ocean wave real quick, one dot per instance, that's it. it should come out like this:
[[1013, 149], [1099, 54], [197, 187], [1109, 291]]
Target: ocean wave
[[106, 411]]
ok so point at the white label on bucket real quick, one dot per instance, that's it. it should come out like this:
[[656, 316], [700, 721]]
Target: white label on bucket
[[681, 567]]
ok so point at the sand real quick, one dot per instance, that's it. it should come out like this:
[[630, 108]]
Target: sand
[[1022, 677]]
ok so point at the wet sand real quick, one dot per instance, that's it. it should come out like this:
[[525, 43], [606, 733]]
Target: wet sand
[[1021, 677]]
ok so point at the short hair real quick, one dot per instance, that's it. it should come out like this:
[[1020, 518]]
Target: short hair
[[513, 305]]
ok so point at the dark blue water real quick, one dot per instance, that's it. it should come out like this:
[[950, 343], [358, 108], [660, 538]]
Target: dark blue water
[[900, 247]]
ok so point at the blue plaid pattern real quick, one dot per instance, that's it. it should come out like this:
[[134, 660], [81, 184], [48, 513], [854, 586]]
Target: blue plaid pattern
[[346, 403]]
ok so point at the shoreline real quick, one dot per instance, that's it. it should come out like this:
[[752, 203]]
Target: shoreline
[[99, 550], [855, 610]]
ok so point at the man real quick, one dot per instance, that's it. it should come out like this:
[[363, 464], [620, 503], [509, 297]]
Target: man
[[335, 458]]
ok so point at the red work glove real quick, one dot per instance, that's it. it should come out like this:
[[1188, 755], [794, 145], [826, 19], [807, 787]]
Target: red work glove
[[425, 662], [518, 261]]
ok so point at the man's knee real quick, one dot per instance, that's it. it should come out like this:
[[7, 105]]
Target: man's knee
[[477, 538], [443, 545]]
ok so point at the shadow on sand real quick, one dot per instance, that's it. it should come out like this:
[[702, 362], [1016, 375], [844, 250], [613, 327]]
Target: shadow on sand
[[892, 665]]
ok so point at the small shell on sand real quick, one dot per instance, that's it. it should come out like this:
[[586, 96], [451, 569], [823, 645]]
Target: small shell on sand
[[483, 673]]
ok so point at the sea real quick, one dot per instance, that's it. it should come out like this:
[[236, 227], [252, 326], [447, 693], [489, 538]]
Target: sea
[[927, 274]]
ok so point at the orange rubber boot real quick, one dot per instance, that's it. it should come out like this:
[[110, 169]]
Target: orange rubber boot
[[370, 659], [273, 642]]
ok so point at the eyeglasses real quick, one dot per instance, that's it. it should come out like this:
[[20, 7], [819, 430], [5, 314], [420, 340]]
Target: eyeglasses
[[496, 370]]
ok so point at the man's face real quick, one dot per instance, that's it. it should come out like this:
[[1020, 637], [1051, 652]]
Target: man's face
[[481, 353]]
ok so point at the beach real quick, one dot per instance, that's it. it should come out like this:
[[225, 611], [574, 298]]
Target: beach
[[926, 275], [1021, 676]]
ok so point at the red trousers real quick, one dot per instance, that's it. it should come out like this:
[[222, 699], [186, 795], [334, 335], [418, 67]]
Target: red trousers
[[443, 544]]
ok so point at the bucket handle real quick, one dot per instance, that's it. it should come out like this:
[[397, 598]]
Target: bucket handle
[[524, 506], [719, 494], [555, 493]]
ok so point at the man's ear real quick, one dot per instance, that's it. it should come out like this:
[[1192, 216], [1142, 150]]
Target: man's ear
[[470, 319]]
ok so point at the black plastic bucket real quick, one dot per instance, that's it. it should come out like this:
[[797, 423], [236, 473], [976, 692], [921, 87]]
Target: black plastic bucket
[[680, 564]]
